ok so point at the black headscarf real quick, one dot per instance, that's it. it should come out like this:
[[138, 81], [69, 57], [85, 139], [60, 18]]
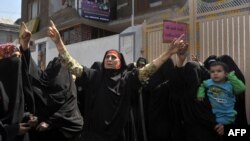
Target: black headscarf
[[97, 66], [240, 98], [56, 98], [111, 78], [11, 78], [107, 101], [13, 92], [209, 61]]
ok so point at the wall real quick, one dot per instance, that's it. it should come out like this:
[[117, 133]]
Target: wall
[[86, 52], [137, 31], [8, 33]]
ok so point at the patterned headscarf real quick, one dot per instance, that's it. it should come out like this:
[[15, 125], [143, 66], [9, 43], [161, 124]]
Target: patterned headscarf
[[8, 50]]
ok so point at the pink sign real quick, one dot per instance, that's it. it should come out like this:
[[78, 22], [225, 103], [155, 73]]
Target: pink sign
[[172, 29]]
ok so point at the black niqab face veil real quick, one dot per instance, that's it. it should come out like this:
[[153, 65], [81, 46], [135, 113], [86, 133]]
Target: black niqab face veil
[[11, 79], [56, 99]]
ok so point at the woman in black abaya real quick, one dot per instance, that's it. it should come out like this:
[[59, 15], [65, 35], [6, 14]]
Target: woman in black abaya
[[190, 120], [16, 95], [56, 99], [240, 105], [108, 91], [157, 107]]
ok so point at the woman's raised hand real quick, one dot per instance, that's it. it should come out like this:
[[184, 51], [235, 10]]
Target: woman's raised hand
[[53, 33], [24, 36]]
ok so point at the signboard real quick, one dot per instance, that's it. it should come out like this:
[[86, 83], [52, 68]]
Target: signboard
[[96, 9], [173, 29], [33, 25]]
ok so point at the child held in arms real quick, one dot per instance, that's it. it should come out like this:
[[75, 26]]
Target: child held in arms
[[221, 90]]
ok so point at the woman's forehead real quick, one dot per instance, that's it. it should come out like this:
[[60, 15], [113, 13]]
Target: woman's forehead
[[112, 53]]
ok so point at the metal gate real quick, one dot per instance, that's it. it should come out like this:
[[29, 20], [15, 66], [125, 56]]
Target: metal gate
[[215, 28]]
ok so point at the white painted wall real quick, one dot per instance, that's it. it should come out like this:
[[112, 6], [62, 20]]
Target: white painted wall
[[54, 6], [138, 39], [86, 53]]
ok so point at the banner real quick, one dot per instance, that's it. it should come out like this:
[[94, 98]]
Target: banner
[[96, 9], [173, 29]]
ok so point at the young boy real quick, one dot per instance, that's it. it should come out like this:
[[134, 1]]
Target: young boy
[[221, 90]]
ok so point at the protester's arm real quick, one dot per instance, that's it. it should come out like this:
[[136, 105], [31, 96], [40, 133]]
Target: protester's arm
[[182, 54], [146, 72], [238, 85], [73, 66], [25, 36], [24, 40]]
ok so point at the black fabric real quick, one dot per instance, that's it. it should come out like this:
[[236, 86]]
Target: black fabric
[[241, 117], [209, 61], [13, 78], [27, 88], [3, 136], [97, 66], [133, 127], [81, 94], [4, 101], [107, 102], [56, 100], [186, 114], [156, 97], [240, 107]]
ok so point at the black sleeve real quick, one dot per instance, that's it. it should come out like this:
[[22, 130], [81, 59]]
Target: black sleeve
[[27, 86], [87, 77], [8, 132], [134, 79], [3, 135]]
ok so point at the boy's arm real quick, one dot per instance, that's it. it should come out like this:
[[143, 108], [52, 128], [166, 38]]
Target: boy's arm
[[201, 91], [238, 85]]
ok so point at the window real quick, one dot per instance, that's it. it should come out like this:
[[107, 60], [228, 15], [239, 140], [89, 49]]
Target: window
[[68, 3], [121, 3], [41, 58], [9, 38], [33, 8], [154, 3], [66, 36]]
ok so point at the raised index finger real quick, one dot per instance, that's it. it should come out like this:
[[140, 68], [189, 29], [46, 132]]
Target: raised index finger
[[179, 38], [23, 25], [23, 28], [52, 23]]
